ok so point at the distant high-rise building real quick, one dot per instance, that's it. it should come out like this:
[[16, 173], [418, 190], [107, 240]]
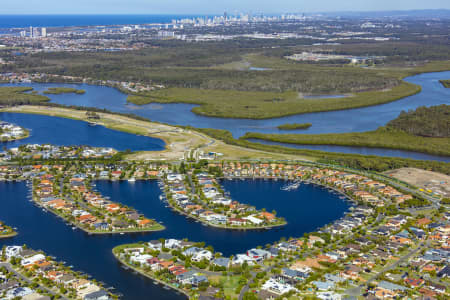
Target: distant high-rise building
[[44, 32], [36, 32], [23, 33], [31, 31], [225, 15]]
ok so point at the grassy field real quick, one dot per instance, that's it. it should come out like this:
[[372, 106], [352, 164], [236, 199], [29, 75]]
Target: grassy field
[[266, 105], [19, 95], [294, 126], [445, 83], [229, 283], [380, 138], [63, 90]]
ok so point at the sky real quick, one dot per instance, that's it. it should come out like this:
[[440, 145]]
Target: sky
[[209, 6]]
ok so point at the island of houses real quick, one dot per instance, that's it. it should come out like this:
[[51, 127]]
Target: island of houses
[[201, 197], [6, 231], [11, 132], [70, 196]]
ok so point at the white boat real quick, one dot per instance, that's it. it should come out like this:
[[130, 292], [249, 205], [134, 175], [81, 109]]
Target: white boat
[[132, 180], [291, 186]]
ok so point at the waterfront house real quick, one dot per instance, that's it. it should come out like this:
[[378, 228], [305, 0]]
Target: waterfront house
[[13, 251], [254, 220], [97, 295], [237, 221], [202, 255], [259, 254]]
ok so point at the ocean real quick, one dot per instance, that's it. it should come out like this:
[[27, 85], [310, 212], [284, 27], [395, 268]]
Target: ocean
[[22, 21]]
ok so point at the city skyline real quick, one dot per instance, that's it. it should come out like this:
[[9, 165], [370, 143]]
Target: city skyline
[[210, 7]]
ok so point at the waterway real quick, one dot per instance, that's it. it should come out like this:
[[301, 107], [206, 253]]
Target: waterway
[[68, 132], [305, 210], [359, 150], [353, 120]]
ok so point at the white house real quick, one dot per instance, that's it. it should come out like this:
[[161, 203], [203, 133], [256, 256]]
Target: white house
[[33, 259], [276, 287], [13, 251], [254, 220], [204, 254]]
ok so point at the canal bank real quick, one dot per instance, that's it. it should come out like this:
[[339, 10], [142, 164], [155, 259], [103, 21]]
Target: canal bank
[[92, 254]]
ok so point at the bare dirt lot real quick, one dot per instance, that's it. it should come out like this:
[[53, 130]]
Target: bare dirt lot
[[437, 183]]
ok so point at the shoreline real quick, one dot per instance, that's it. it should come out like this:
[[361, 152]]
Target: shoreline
[[90, 232], [143, 273], [10, 235], [224, 227]]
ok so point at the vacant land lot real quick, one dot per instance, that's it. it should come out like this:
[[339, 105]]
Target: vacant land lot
[[427, 180]]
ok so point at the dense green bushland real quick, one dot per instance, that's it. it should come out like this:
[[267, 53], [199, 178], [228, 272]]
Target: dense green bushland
[[294, 126], [445, 83], [365, 162], [385, 137], [265, 105], [18, 95], [63, 90], [424, 130], [425, 121], [217, 75], [199, 66]]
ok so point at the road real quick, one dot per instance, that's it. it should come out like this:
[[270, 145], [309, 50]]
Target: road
[[9, 267], [356, 291]]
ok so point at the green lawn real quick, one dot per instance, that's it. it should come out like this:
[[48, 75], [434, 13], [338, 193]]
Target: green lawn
[[229, 283]]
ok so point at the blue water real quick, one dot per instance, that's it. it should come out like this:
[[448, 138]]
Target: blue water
[[359, 150], [21, 21], [353, 120], [305, 210], [67, 132]]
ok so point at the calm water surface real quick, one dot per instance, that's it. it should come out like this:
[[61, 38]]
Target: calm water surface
[[353, 120], [68, 132], [359, 150], [305, 210]]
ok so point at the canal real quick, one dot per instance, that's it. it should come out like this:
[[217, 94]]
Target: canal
[[305, 210]]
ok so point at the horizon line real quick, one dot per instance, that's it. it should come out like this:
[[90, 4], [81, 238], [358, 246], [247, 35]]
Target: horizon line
[[219, 13]]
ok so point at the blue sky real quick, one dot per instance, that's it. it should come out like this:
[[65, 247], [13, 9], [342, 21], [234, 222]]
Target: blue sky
[[208, 6]]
